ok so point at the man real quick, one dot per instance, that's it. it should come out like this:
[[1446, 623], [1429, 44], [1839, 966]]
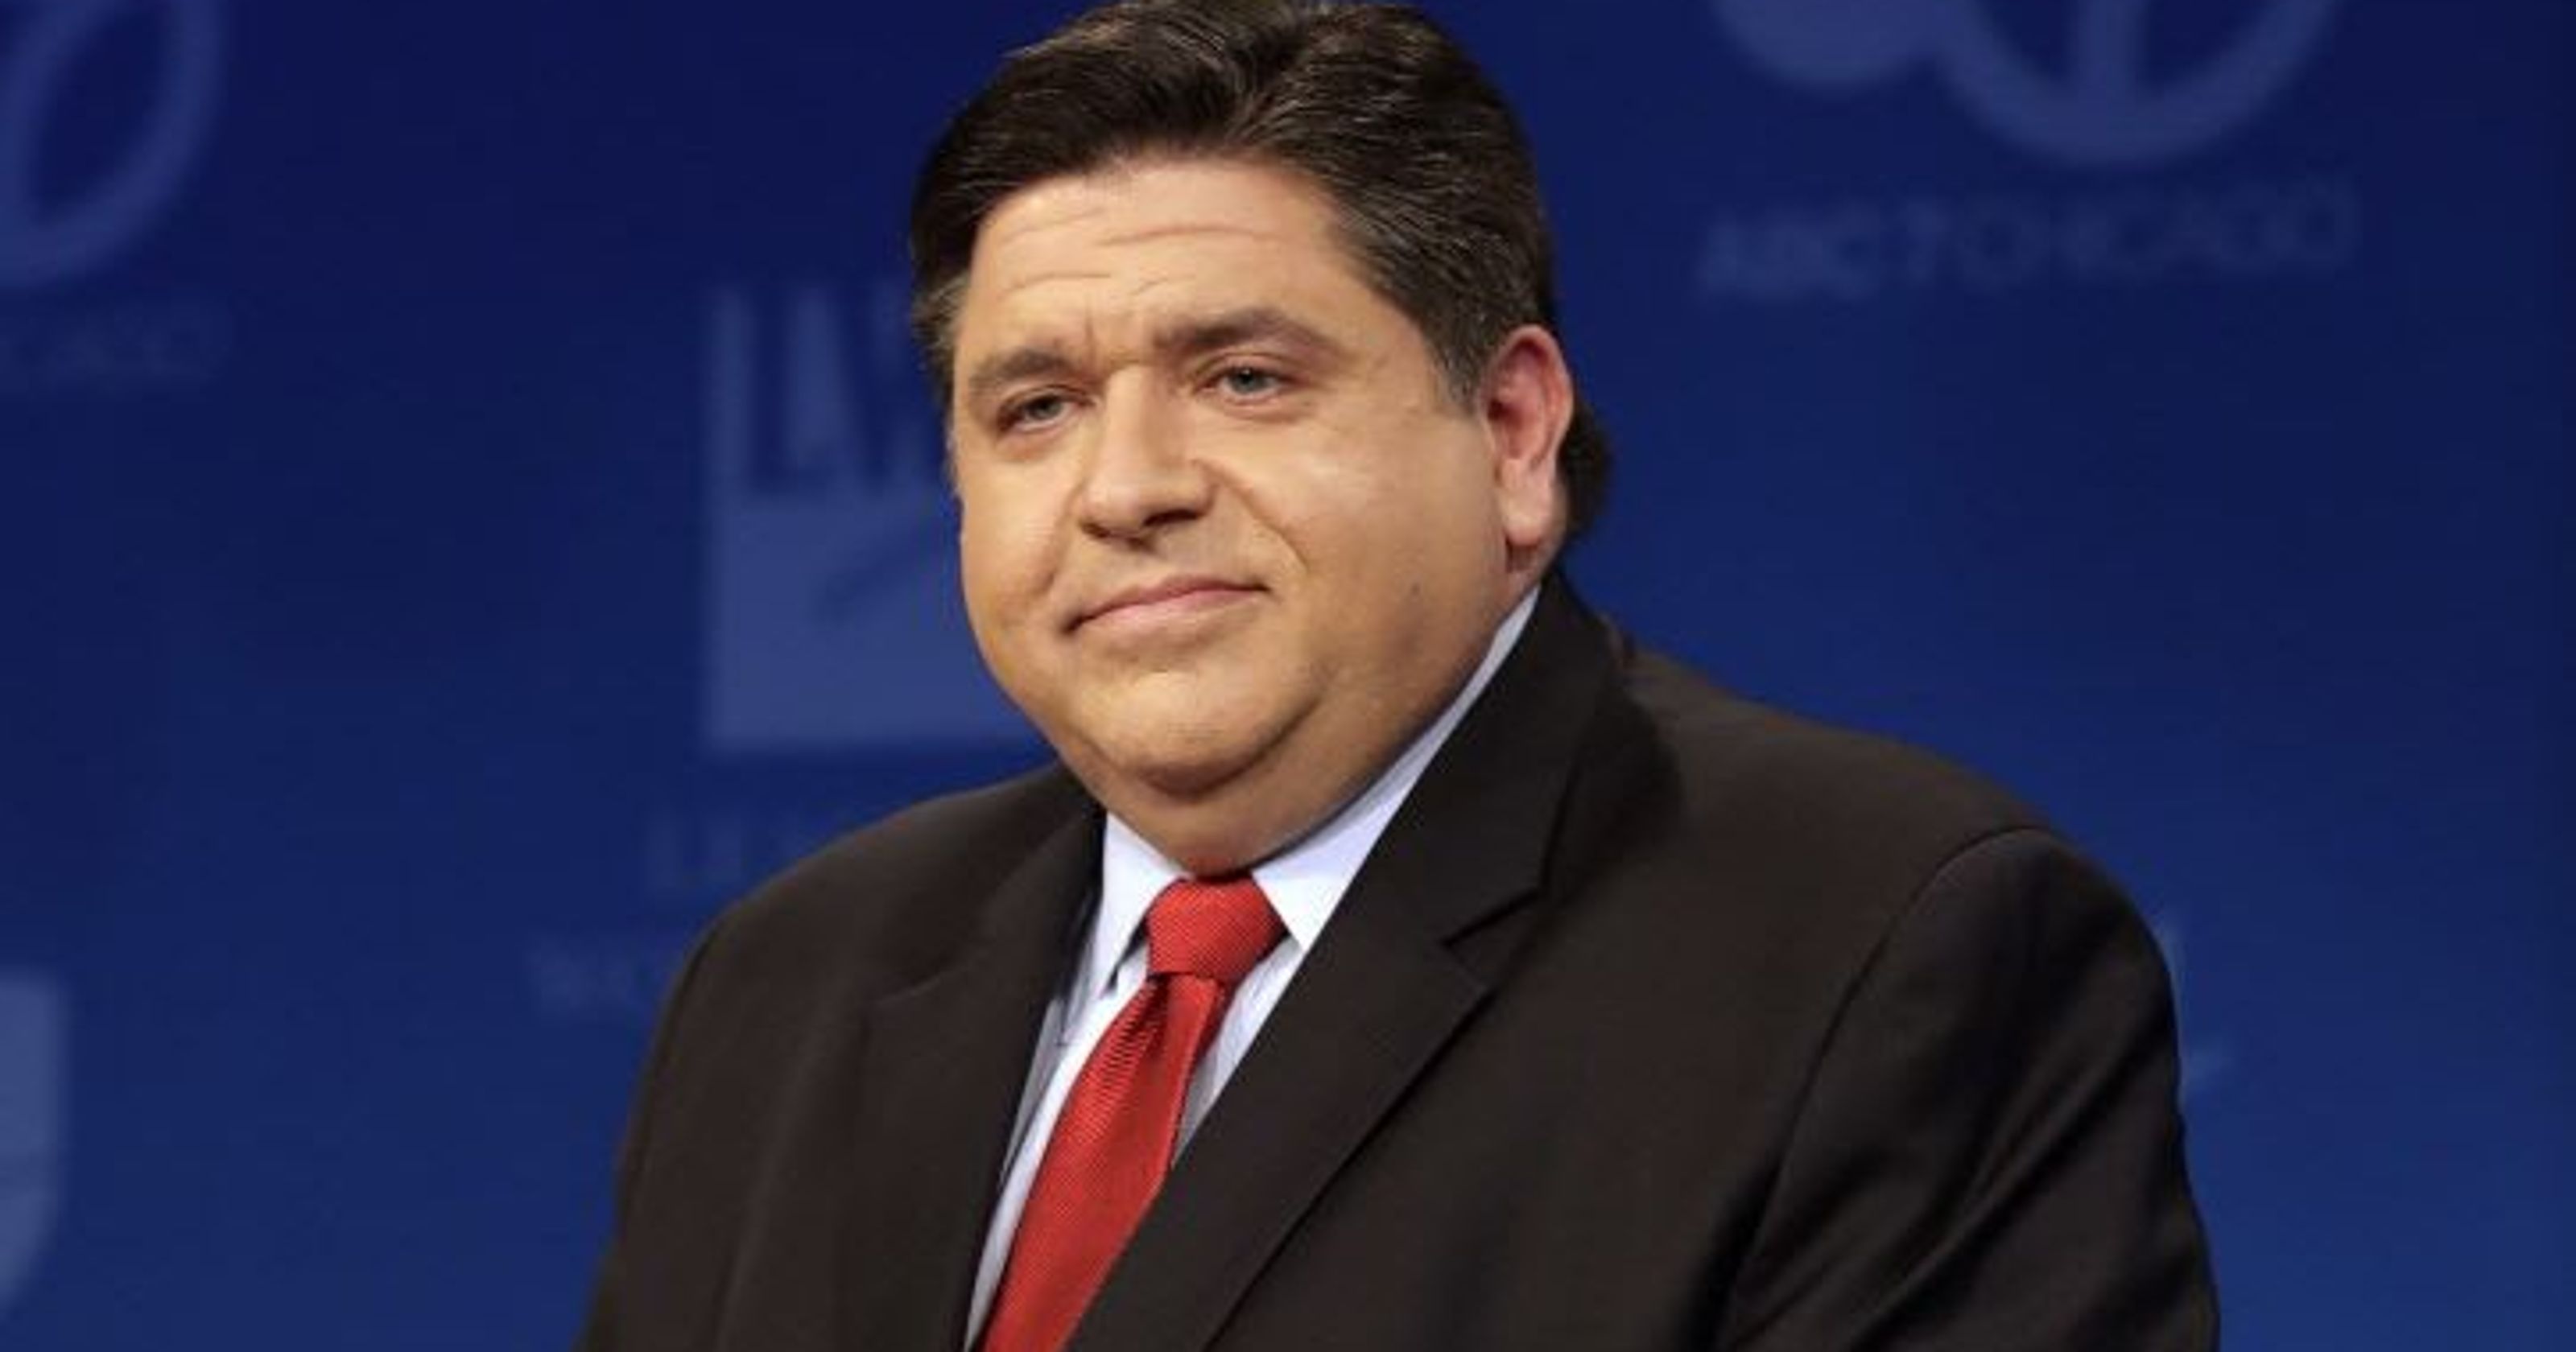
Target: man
[[1398, 958]]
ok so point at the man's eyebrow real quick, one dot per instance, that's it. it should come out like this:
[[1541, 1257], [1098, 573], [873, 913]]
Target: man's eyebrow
[[1187, 337], [1200, 334], [1012, 366]]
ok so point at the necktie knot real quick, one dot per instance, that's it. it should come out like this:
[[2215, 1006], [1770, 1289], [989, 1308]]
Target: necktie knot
[[1215, 928]]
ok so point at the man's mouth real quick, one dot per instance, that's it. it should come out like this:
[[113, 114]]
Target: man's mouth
[[1165, 599]]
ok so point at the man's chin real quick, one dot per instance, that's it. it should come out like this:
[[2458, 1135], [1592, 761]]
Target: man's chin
[[1159, 774], [1167, 774]]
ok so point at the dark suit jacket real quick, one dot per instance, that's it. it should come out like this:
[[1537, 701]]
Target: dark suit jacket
[[1656, 1020]]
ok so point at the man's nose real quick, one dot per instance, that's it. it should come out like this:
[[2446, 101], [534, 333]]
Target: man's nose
[[1142, 473]]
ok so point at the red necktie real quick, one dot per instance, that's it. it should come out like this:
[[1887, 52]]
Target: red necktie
[[1114, 1138]]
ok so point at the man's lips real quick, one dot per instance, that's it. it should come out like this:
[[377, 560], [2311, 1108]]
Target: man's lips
[[1175, 595]]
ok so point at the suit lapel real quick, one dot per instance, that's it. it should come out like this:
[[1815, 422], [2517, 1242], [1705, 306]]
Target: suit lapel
[[1371, 1007], [945, 1065]]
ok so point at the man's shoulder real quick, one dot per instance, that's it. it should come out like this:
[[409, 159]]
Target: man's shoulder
[[1806, 762], [909, 886], [1744, 829], [1798, 797]]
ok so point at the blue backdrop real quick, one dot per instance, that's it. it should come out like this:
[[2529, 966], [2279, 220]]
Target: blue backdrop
[[470, 512]]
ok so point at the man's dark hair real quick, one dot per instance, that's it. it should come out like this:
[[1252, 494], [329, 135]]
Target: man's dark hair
[[1428, 171]]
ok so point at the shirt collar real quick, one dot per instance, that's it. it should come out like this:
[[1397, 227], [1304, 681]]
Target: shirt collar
[[1305, 881]]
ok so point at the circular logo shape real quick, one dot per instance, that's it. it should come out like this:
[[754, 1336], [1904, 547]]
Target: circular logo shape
[[43, 241], [2102, 110]]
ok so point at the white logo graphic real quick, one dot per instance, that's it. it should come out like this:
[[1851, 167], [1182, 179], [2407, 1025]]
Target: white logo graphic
[[833, 616], [48, 241], [31, 1111], [2104, 109]]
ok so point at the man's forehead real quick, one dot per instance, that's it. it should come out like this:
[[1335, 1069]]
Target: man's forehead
[[1149, 248], [1081, 227]]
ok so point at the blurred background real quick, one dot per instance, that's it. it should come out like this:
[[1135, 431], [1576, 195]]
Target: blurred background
[[471, 511]]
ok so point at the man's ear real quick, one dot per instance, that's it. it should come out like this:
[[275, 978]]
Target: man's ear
[[1527, 402]]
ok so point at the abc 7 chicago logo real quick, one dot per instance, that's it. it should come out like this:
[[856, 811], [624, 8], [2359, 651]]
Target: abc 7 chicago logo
[[46, 49], [2105, 108]]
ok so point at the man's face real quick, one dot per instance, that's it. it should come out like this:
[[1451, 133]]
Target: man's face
[[1225, 538]]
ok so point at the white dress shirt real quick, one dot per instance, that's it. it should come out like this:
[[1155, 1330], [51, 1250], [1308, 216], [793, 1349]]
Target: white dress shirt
[[1304, 883]]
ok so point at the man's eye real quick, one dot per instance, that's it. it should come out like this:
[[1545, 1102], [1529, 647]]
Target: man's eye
[[1035, 411], [1248, 382]]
